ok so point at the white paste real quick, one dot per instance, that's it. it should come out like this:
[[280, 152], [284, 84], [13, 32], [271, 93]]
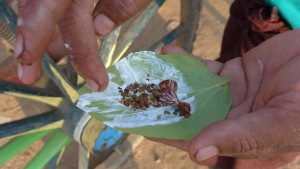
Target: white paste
[[130, 74]]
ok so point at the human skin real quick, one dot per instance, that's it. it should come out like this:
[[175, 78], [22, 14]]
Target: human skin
[[68, 27], [264, 118], [265, 114]]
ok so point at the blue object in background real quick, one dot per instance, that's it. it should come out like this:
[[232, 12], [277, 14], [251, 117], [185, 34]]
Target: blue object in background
[[289, 10], [107, 138]]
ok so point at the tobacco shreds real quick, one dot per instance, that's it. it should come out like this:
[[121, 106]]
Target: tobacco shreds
[[142, 96]]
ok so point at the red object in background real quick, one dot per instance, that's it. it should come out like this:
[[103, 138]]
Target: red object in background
[[251, 22]]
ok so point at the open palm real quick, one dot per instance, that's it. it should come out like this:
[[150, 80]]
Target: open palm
[[264, 119]]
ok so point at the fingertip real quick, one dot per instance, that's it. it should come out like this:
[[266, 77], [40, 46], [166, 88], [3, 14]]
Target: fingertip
[[206, 153], [29, 74], [214, 66], [19, 46], [170, 48], [92, 84], [103, 83], [96, 76], [20, 71], [103, 79], [119, 11], [103, 25], [98, 85]]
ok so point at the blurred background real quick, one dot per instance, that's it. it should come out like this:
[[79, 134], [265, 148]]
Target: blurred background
[[144, 154]]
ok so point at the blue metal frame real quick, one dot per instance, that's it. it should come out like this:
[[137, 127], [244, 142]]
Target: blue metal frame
[[27, 124], [107, 139]]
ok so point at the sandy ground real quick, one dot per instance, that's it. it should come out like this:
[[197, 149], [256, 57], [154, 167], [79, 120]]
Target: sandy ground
[[148, 154]]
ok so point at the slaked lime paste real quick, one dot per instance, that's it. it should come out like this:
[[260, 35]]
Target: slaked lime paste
[[132, 70]]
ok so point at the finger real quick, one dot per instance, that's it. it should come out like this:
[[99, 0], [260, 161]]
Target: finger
[[254, 135], [36, 25], [238, 82], [36, 22], [109, 14], [29, 74], [213, 66], [170, 48], [57, 49], [80, 40]]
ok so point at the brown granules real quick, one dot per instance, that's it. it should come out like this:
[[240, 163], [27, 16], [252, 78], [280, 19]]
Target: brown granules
[[142, 96], [184, 109]]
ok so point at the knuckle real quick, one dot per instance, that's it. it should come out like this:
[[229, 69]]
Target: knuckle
[[123, 9], [245, 144], [248, 146], [26, 58], [127, 7], [66, 25]]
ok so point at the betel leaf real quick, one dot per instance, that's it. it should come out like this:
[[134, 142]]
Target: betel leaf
[[208, 94]]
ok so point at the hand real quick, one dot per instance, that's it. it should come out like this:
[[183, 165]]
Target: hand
[[264, 119], [68, 27]]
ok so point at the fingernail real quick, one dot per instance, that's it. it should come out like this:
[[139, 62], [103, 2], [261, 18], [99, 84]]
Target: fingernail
[[19, 46], [19, 21], [93, 85], [20, 70], [206, 153], [103, 24]]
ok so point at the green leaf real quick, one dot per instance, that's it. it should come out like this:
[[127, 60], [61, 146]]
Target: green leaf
[[208, 94]]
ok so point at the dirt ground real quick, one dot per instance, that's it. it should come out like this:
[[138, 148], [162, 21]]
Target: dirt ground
[[147, 154]]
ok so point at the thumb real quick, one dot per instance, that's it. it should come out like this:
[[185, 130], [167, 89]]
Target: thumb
[[109, 14], [255, 135]]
